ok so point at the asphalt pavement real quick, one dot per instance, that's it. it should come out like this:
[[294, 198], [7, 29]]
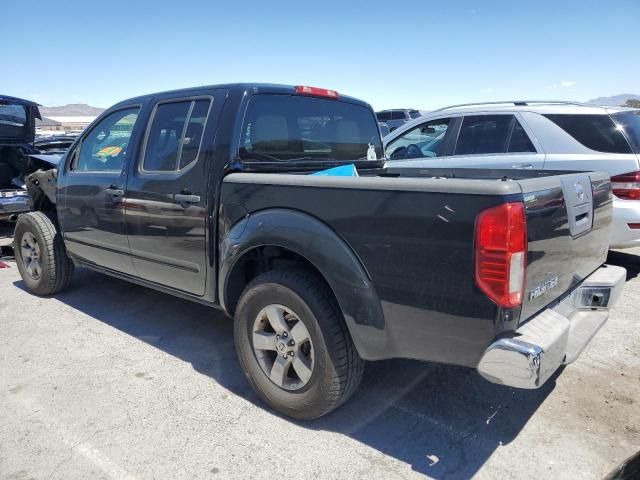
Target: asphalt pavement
[[112, 380]]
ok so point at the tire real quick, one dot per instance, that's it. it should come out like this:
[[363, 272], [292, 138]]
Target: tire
[[55, 270], [336, 366]]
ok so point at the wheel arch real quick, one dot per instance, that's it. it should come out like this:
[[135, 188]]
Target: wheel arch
[[275, 238]]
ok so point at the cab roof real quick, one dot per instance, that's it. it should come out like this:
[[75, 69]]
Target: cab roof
[[254, 88]]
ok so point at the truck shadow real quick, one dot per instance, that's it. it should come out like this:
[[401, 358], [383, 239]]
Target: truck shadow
[[627, 260], [444, 421]]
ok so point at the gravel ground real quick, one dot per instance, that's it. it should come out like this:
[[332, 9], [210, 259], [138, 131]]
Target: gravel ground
[[112, 380]]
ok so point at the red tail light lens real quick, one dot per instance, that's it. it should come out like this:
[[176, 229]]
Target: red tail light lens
[[626, 186], [317, 92], [501, 253]]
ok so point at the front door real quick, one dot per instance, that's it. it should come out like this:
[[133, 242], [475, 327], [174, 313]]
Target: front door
[[92, 187], [166, 204]]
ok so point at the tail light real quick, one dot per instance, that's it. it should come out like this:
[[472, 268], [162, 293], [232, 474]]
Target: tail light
[[626, 186], [501, 253], [317, 92]]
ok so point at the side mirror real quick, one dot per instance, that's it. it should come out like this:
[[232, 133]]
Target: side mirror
[[384, 129]]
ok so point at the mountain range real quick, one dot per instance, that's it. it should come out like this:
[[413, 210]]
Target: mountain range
[[615, 100], [71, 110], [84, 110]]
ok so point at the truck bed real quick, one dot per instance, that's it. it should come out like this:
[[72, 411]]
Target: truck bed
[[413, 232]]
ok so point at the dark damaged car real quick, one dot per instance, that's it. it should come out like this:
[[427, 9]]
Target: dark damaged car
[[20, 156]]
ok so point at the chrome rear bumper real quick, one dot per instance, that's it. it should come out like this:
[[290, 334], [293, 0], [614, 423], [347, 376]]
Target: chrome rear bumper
[[556, 336]]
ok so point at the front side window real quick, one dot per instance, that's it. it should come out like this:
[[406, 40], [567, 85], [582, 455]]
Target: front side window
[[596, 132], [398, 115], [426, 140], [175, 135], [280, 128], [630, 123], [104, 148]]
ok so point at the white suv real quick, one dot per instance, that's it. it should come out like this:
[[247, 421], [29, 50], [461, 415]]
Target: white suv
[[536, 135]]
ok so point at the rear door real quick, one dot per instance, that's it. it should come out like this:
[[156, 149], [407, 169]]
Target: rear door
[[91, 191], [167, 197]]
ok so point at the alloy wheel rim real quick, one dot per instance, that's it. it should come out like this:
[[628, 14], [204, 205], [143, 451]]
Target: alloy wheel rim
[[30, 251], [282, 345]]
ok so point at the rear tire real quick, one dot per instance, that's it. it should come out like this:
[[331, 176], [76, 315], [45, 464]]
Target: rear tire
[[333, 367], [40, 254]]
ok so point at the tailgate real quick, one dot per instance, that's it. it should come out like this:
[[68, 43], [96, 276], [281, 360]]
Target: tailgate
[[568, 218]]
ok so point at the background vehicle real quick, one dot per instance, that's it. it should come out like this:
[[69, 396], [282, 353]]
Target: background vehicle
[[534, 135], [397, 117], [18, 155], [205, 194], [384, 129]]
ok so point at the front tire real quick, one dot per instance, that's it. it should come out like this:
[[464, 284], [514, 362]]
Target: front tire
[[40, 254], [294, 346]]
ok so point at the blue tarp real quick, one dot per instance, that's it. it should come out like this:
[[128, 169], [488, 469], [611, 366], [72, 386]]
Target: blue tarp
[[341, 171]]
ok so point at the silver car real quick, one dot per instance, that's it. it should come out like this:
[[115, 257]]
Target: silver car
[[533, 135]]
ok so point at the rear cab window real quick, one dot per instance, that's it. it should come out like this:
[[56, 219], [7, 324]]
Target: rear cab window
[[287, 128], [596, 132]]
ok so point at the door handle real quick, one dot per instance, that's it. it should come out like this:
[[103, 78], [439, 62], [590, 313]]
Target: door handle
[[184, 198], [114, 190], [523, 166]]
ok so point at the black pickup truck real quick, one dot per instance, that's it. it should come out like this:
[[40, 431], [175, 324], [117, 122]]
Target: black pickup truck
[[210, 194]]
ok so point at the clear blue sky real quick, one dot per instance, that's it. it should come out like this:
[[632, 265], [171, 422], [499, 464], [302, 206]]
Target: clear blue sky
[[392, 54]]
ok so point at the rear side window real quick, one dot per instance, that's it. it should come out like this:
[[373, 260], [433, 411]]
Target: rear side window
[[398, 115], [175, 135], [281, 128], [492, 134], [383, 116], [630, 122], [597, 132]]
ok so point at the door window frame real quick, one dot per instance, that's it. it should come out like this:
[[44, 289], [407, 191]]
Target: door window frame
[[74, 153], [179, 171]]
